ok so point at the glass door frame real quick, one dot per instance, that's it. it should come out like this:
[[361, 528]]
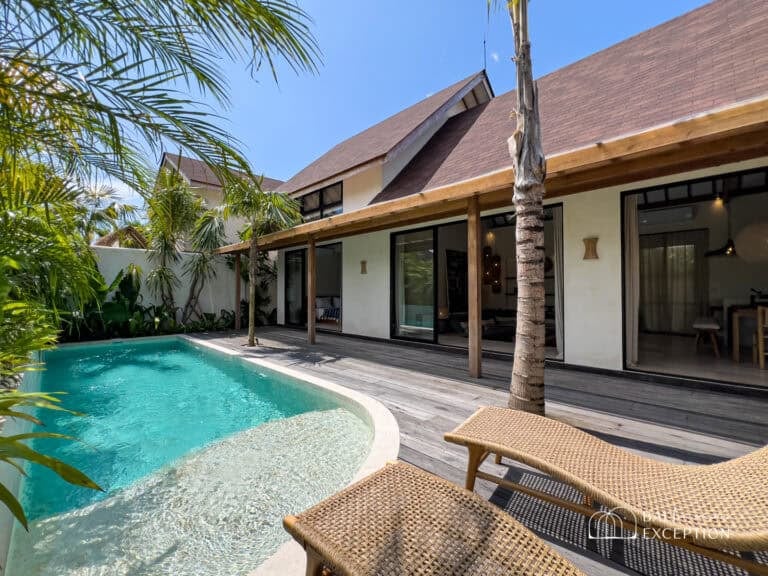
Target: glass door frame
[[303, 252], [393, 288]]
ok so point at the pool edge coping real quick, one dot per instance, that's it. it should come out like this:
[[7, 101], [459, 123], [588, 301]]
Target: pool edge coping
[[289, 559]]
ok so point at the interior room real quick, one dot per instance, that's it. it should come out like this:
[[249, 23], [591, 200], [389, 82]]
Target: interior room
[[328, 305], [499, 283], [696, 263], [328, 302]]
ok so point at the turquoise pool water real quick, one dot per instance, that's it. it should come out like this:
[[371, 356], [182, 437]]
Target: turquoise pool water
[[200, 456]]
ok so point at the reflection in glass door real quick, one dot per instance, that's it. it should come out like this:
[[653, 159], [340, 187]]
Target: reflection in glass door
[[414, 284], [296, 288]]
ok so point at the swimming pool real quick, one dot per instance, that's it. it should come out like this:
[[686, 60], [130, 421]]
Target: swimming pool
[[200, 455]]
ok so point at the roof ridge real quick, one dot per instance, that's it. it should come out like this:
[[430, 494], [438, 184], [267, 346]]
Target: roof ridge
[[378, 144]]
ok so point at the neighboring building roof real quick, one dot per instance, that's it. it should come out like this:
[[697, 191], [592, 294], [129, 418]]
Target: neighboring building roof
[[198, 172], [126, 235], [375, 142], [710, 58]]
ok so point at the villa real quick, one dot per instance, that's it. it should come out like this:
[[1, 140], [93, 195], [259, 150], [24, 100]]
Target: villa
[[656, 212], [364, 424]]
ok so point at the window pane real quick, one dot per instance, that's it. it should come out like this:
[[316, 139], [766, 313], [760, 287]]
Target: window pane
[[414, 285], [310, 202], [754, 180], [654, 196], [310, 216], [332, 211], [702, 188], [295, 299], [678, 192], [332, 194]]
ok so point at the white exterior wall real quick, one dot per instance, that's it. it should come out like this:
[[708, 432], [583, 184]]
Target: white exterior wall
[[217, 294], [366, 297], [593, 298], [592, 288], [360, 188]]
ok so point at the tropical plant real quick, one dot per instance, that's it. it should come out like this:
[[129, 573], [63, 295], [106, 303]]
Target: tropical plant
[[14, 451], [265, 212], [24, 326], [266, 272], [172, 211], [527, 386], [100, 212], [85, 84], [208, 235]]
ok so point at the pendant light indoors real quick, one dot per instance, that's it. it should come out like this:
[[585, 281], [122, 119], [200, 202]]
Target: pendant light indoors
[[729, 248]]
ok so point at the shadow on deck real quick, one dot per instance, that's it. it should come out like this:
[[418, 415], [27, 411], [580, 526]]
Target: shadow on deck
[[429, 393]]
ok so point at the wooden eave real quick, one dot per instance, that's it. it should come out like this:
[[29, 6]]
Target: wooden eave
[[730, 134]]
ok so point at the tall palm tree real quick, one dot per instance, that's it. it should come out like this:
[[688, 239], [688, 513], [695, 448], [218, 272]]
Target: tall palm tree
[[265, 212], [527, 386], [172, 211]]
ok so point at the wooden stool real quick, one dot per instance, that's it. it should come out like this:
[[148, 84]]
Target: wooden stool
[[707, 327]]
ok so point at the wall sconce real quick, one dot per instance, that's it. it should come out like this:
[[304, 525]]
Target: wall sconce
[[590, 248], [363, 267]]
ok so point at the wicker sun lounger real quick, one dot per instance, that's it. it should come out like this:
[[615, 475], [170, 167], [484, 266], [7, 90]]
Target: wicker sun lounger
[[707, 508], [401, 521]]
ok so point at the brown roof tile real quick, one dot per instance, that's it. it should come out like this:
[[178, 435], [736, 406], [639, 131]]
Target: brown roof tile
[[711, 57], [198, 172], [374, 142]]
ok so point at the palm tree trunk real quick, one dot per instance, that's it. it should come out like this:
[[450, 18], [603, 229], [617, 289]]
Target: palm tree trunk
[[527, 386], [253, 254]]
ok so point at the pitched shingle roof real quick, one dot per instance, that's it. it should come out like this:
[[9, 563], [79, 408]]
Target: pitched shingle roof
[[710, 58], [375, 142], [198, 172]]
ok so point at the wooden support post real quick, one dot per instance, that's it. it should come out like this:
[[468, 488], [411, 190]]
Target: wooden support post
[[238, 282], [311, 289], [474, 279]]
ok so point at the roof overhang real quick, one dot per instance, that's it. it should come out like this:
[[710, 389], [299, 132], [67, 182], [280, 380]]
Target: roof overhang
[[724, 135]]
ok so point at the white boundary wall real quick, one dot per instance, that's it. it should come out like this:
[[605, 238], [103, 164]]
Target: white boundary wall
[[218, 293]]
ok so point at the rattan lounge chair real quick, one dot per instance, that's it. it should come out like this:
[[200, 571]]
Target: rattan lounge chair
[[402, 521], [711, 509]]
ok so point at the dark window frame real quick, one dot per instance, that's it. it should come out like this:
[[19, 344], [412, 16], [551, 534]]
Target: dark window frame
[[717, 191], [324, 207]]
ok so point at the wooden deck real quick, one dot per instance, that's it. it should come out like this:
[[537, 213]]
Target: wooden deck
[[430, 393]]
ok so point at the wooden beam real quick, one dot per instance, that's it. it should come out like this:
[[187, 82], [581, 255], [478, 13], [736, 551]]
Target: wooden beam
[[311, 288], [238, 282], [474, 279]]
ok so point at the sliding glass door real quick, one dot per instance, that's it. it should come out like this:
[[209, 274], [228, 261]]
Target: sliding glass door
[[413, 272], [296, 288]]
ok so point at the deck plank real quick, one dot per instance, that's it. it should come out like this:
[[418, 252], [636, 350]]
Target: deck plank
[[429, 393]]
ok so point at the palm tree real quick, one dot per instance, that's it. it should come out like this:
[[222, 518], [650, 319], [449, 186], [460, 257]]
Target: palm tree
[[527, 386], [172, 211], [86, 84], [101, 212], [265, 212], [208, 235]]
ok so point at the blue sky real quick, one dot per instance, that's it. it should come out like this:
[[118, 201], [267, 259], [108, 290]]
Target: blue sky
[[382, 56]]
